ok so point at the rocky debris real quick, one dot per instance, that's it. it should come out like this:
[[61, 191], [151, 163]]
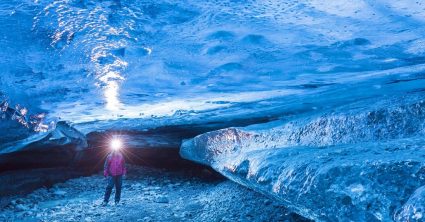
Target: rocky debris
[[148, 195]]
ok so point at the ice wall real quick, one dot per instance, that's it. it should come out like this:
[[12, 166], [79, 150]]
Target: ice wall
[[361, 165]]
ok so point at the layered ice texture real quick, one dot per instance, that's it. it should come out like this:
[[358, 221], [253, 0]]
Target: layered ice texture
[[337, 85], [359, 165]]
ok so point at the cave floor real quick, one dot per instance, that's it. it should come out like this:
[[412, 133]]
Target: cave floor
[[149, 194]]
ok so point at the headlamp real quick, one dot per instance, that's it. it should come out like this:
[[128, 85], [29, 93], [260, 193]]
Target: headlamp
[[116, 144]]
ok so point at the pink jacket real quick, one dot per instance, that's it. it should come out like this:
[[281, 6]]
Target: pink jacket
[[114, 165]]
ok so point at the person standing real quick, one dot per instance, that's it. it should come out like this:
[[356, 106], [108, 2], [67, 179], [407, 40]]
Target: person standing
[[114, 170]]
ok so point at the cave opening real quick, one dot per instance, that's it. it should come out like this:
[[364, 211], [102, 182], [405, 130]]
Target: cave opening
[[27, 170]]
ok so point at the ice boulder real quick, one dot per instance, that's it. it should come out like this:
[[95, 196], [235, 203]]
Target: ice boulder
[[361, 165]]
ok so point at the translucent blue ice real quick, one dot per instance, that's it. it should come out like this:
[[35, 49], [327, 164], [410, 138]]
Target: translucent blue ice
[[93, 62], [334, 75], [362, 164]]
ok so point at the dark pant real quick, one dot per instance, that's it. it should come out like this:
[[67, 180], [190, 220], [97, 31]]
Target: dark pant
[[117, 181]]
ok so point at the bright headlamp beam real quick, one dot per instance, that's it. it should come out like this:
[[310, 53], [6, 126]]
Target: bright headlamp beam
[[116, 144]]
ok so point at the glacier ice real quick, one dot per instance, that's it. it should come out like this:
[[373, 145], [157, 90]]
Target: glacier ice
[[90, 62], [414, 208], [358, 165], [372, 120], [326, 75]]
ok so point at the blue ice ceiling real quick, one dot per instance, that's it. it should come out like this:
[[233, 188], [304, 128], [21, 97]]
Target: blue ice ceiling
[[129, 64]]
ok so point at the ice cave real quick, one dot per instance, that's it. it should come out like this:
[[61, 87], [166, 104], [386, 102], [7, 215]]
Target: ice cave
[[213, 110]]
